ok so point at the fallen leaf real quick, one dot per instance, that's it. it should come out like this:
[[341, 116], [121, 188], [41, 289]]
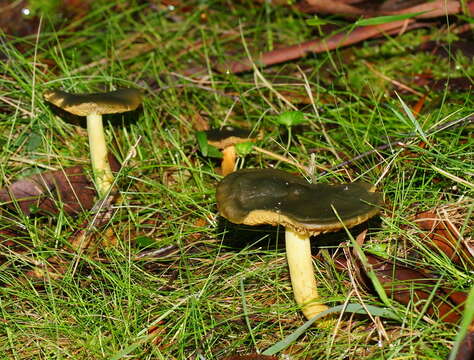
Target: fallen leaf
[[441, 232], [158, 332], [408, 286], [466, 348], [69, 189]]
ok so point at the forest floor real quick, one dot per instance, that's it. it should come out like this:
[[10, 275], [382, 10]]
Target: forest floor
[[162, 275]]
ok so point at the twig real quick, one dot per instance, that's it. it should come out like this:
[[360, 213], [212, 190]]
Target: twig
[[16, 105], [156, 253], [427, 9], [31, 162], [313, 46]]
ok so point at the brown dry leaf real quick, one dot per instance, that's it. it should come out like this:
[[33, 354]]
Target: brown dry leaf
[[49, 191], [408, 285], [442, 231], [199, 122], [13, 238], [46, 193], [52, 269], [457, 84], [446, 50], [466, 348], [419, 105], [330, 7], [159, 331], [75, 8]]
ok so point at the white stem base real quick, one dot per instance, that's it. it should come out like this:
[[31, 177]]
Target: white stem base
[[298, 253], [98, 148]]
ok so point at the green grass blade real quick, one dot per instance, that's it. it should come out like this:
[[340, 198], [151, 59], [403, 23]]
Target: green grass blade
[[386, 19], [412, 118], [350, 308], [467, 319]]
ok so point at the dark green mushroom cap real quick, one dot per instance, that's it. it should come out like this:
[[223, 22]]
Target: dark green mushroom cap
[[227, 136], [112, 102], [269, 196]]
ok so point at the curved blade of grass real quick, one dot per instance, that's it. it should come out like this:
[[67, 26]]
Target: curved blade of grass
[[379, 289], [350, 308], [412, 118], [202, 142], [386, 19]]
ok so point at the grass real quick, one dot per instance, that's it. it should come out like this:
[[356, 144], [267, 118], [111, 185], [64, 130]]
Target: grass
[[188, 303]]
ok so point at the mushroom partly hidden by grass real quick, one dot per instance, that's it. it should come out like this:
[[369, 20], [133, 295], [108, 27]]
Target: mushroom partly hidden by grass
[[93, 106], [269, 196], [224, 139]]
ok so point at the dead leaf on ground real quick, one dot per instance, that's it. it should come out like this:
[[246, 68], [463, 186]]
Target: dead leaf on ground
[[408, 285], [69, 189], [466, 348], [159, 332], [450, 84], [442, 231], [412, 287]]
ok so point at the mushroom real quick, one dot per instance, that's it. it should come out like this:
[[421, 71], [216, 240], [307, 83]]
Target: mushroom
[[93, 106], [226, 139], [269, 196]]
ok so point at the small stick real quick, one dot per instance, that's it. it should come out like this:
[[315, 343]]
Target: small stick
[[313, 46]]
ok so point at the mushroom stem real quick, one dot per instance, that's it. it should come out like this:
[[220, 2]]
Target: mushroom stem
[[98, 148], [228, 160], [298, 253]]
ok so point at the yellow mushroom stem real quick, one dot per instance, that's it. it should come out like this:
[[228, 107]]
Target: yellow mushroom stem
[[98, 149], [298, 253], [228, 160]]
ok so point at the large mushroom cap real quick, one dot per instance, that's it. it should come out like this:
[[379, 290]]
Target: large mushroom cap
[[113, 102], [227, 136], [269, 196]]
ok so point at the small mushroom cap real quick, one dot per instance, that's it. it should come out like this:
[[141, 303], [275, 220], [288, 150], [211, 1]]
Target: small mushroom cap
[[227, 136], [269, 196], [112, 102]]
